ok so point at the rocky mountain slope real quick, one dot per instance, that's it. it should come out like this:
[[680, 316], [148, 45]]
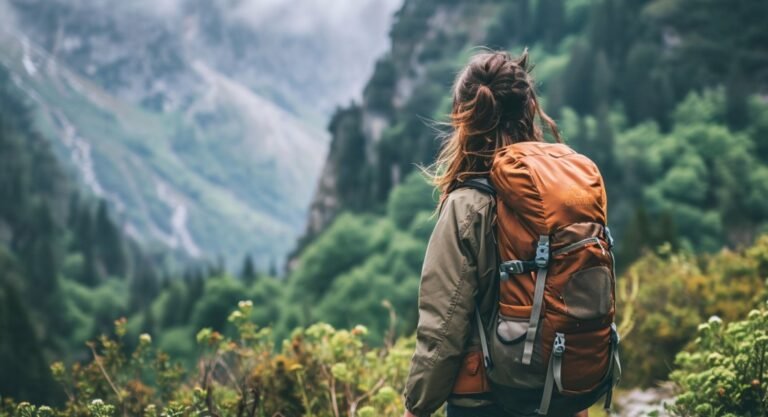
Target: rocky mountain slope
[[200, 122], [606, 70]]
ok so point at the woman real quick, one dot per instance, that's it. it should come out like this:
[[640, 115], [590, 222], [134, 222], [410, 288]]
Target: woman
[[494, 105]]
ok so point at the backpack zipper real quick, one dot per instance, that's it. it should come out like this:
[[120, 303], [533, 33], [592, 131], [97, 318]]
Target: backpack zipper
[[584, 242]]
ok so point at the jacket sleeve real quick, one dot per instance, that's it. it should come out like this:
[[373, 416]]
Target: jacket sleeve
[[446, 307]]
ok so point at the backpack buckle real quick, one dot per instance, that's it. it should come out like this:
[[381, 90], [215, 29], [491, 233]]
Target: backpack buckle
[[559, 346], [608, 236], [514, 266], [542, 252]]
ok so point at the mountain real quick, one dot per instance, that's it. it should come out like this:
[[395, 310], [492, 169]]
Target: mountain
[[201, 123], [678, 134], [640, 86]]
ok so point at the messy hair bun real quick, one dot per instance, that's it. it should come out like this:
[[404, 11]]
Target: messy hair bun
[[494, 105]]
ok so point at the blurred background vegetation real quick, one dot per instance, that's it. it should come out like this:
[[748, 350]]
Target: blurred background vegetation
[[669, 97]]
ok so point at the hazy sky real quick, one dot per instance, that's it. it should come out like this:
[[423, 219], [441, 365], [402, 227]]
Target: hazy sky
[[352, 34], [301, 17], [317, 53], [349, 35]]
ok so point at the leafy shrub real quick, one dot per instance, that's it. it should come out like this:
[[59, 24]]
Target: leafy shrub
[[726, 372], [665, 296], [319, 371]]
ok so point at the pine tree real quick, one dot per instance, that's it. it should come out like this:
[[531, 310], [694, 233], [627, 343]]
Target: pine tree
[[144, 286], [248, 273], [39, 252], [25, 375], [550, 21], [577, 81], [666, 231], [602, 150], [273, 268], [637, 237], [511, 26], [111, 250], [736, 96], [84, 242], [602, 82]]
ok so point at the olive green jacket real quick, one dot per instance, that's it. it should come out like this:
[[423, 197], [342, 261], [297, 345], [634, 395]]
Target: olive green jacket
[[458, 272]]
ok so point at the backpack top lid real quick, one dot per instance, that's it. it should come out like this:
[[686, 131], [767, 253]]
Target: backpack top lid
[[549, 185]]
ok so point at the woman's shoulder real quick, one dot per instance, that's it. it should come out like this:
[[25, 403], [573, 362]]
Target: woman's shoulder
[[466, 204], [468, 198], [474, 194]]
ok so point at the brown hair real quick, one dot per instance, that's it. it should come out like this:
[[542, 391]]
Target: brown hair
[[494, 105]]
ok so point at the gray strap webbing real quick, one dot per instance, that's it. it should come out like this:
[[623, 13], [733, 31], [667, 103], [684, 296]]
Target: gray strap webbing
[[615, 375], [483, 342], [546, 397], [533, 322], [614, 366], [558, 373], [554, 376], [542, 261]]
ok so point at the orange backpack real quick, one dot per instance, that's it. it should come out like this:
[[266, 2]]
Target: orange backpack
[[553, 332]]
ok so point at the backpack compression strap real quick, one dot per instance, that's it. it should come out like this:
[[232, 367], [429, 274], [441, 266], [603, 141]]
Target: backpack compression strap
[[542, 263]]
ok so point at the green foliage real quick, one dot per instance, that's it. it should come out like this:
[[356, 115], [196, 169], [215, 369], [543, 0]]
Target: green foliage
[[319, 371], [667, 295], [322, 371], [675, 133], [48, 238], [114, 379], [705, 175], [409, 199], [726, 371], [345, 244], [20, 352], [362, 268]]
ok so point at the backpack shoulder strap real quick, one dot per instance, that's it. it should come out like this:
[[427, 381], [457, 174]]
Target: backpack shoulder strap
[[478, 183], [483, 185]]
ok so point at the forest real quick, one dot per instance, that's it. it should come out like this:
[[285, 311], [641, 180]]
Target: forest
[[668, 97]]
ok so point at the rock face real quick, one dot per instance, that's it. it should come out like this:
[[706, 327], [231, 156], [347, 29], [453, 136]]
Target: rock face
[[374, 144], [200, 122]]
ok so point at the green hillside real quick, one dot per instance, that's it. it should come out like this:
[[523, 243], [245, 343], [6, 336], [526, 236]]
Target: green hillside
[[678, 134], [685, 160]]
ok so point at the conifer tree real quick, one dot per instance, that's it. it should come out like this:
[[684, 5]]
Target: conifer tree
[[144, 286], [273, 268], [248, 273], [39, 252], [110, 245], [550, 21], [21, 355]]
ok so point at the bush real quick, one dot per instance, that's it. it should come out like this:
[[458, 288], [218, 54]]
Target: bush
[[726, 372], [319, 371], [665, 296]]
